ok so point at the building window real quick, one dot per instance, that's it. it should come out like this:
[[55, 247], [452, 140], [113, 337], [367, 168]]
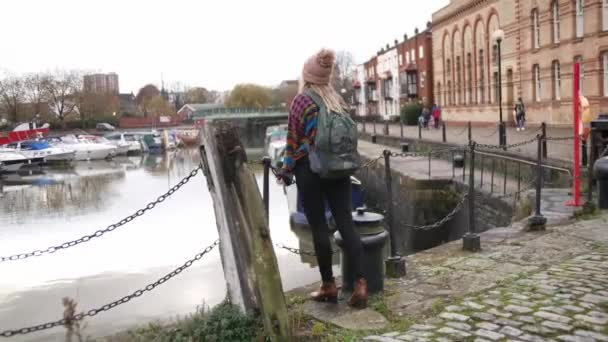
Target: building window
[[605, 15], [403, 83], [439, 94], [421, 52], [469, 79], [580, 23], [556, 21], [535, 29], [536, 78], [482, 97], [413, 55], [557, 81], [605, 65], [449, 96], [579, 59], [400, 60], [458, 82]]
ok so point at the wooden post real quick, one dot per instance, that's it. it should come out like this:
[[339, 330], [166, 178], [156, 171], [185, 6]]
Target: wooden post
[[248, 258]]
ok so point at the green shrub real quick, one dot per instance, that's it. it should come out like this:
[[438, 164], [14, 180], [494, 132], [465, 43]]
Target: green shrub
[[223, 323], [410, 113]]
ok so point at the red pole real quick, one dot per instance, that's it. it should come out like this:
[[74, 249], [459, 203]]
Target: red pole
[[576, 191]]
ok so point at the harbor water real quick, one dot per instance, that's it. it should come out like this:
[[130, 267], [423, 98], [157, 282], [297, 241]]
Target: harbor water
[[46, 207]]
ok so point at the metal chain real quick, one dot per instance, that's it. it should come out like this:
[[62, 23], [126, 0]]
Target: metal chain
[[300, 251], [101, 232], [559, 138], [109, 306], [441, 222], [498, 147], [491, 134], [461, 132], [421, 154]]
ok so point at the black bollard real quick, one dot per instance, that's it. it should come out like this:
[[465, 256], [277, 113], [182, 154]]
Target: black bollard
[[584, 157], [386, 132], [419, 131], [471, 241], [600, 169], [470, 131], [544, 133], [401, 127], [374, 138], [266, 162], [370, 227], [405, 147], [458, 161], [374, 121], [443, 135], [395, 264], [538, 221]]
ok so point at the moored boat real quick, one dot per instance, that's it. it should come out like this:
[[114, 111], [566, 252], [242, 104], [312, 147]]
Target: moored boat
[[42, 149], [130, 139], [84, 150], [12, 160]]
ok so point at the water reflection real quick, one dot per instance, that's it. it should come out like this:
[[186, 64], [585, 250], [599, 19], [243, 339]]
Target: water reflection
[[49, 206]]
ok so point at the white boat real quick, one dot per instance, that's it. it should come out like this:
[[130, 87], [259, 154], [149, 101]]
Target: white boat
[[42, 149], [276, 145], [84, 150], [11, 160], [132, 140], [122, 148]]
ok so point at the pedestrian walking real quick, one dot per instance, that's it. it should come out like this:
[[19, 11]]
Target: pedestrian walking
[[316, 100], [426, 115], [436, 113], [520, 115]]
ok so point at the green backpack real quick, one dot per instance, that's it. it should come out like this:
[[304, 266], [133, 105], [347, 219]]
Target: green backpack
[[334, 154]]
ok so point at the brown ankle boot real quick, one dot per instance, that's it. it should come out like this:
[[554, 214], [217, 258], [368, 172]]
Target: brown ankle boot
[[327, 293], [359, 297]]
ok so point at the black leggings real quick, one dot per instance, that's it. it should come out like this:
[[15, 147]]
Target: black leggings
[[314, 191]]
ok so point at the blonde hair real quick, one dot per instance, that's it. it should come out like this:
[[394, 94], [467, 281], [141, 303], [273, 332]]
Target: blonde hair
[[332, 100]]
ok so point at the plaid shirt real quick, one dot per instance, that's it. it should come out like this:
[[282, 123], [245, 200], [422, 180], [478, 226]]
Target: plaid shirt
[[301, 130]]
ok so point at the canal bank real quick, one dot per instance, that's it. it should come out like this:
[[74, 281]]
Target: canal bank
[[455, 295]]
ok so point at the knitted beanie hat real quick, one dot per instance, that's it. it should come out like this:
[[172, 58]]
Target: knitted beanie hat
[[318, 67]]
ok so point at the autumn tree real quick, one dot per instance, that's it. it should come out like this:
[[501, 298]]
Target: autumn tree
[[61, 89], [145, 96], [197, 95], [158, 106], [249, 96], [11, 96]]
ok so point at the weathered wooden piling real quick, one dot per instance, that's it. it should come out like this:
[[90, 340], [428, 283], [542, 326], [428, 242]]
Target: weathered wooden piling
[[248, 259]]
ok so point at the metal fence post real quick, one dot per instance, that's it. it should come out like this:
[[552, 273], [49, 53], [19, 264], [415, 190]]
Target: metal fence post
[[443, 136], [419, 131], [538, 221], [471, 241], [374, 121], [395, 264], [266, 185], [470, 132], [544, 132], [364, 122], [401, 127], [386, 127], [584, 157]]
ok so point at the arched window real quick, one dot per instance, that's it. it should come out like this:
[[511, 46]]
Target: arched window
[[556, 21], [580, 19], [469, 79], [458, 82], [482, 95], [536, 82], [535, 29], [557, 81], [449, 96], [439, 94], [579, 59]]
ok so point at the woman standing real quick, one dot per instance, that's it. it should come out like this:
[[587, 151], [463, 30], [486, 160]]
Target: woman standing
[[315, 191]]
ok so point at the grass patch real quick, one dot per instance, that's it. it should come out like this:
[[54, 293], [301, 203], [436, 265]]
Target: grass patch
[[588, 212], [224, 322]]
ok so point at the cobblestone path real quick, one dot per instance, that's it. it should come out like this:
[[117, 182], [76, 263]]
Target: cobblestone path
[[567, 302]]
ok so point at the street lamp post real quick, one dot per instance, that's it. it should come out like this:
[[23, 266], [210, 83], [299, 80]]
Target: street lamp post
[[499, 36]]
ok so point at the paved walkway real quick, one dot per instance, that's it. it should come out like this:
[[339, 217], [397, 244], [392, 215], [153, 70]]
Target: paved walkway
[[567, 302], [458, 134]]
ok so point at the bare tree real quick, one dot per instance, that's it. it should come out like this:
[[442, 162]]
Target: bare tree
[[61, 88], [343, 72], [35, 94], [145, 95], [11, 96]]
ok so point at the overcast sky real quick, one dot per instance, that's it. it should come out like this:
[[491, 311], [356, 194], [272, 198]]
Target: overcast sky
[[215, 44]]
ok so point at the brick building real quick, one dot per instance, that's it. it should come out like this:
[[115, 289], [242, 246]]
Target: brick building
[[398, 74], [542, 40], [101, 83]]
